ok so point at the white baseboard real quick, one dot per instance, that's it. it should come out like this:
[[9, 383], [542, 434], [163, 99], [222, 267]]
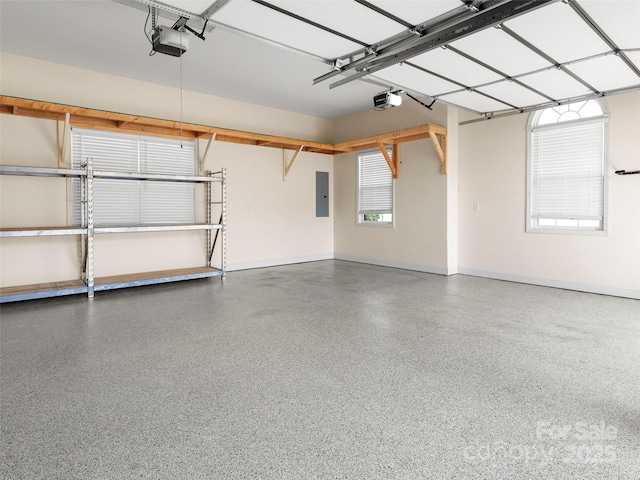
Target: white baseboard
[[509, 277], [553, 282], [390, 263], [275, 262]]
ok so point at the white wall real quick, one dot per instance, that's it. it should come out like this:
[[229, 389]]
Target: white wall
[[270, 221], [419, 239], [493, 241]]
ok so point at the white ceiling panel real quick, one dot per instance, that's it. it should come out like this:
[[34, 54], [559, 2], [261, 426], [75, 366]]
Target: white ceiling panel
[[605, 73], [556, 84], [620, 20], [351, 18], [559, 32], [501, 51], [263, 21], [513, 93], [474, 101], [192, 6], [456, 67], [415, 79], [415, 12]]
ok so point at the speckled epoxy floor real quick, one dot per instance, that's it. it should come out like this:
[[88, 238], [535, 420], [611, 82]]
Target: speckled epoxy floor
[[326, 370]]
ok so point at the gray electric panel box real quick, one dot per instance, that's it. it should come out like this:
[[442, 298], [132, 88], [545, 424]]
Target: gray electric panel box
[[322, 194]]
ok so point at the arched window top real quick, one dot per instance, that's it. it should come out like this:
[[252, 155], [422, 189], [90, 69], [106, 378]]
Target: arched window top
[[566, 113]]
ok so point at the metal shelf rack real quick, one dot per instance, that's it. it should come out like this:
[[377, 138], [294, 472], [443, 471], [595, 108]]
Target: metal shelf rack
[[88, 283]]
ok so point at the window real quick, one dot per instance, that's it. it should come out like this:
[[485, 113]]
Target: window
[[375, 189], [567, 168], [129, 202]]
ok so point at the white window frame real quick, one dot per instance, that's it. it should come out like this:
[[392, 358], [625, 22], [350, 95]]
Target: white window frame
[[360, 221], [572, 225], [135, 202]]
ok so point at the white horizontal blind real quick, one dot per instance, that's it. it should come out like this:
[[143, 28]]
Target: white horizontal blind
[[567, 172], [128, 202], [162, 202], [375, 188]]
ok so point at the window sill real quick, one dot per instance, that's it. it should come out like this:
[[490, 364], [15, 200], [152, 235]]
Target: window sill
[[375, 224], [566, 231]]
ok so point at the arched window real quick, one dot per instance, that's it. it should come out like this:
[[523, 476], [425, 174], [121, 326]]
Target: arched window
[[567, 167]]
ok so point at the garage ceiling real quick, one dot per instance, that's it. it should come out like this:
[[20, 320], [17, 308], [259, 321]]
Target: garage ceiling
[[486, 56]]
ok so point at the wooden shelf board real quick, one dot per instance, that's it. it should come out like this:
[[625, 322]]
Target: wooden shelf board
[[161, 276], [41, 290]]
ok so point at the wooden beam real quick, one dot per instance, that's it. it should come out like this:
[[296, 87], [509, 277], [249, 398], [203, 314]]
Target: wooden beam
[[390, 137], [104, 120], [286, 167], [440, 152], [134, 123], [393, 163]]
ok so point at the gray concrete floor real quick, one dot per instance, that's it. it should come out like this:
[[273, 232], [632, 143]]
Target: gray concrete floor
[[327, 370]]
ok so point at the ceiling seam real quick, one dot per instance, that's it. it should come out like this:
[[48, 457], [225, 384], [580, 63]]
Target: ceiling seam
[[495, 70], [309, 22], [589, 96], [596, 28], [464, 87], [548, 58], [385, 13]]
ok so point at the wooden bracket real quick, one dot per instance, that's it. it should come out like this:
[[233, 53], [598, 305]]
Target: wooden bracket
[[203, 158], [440, 150], [393, 163], [287, 166], [63, 128]]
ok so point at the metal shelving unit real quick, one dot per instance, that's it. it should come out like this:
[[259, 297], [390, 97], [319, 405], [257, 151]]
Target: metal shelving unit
[[88, 283]]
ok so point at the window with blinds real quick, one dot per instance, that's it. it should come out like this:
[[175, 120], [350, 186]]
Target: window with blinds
[[375, 189], [567, 168], [129, 202]]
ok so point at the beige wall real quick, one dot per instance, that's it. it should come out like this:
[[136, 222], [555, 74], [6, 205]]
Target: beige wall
[[493, 241], [39, 80], [270, 221], [419, 239], [409, 114]]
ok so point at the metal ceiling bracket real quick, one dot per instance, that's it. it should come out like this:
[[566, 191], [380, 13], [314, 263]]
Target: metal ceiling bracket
[[458, 29], [213, 8], [168, 8]]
